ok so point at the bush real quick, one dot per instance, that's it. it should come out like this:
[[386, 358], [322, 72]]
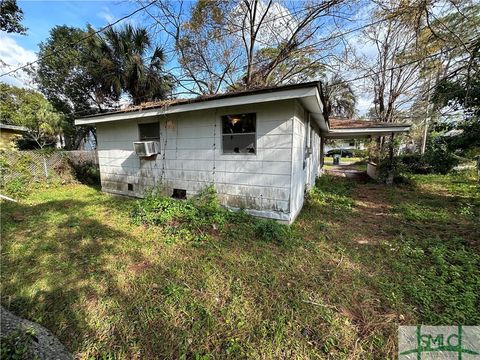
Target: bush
[[414, 163], [439, 158], [272, 231], [436, 160], [202, 216], [390, 172], [359, 153], [87, 172]]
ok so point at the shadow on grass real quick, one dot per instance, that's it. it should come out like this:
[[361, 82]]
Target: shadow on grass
[[65, 268], [107, 287]]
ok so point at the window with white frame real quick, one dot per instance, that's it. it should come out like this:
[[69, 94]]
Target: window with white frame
[[239, 135]]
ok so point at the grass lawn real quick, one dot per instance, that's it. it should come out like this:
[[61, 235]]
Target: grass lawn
[[346, 163], [362, 259]]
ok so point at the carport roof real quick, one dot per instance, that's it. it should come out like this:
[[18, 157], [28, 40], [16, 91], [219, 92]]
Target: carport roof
[[350, 128]]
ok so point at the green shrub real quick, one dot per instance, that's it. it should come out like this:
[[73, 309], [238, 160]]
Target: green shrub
[[272, 231], [201, 216], [87, 173], [359, 153], [439, 158], [415, 164]]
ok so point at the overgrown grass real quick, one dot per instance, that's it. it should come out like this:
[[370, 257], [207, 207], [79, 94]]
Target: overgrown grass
[[162, 278], [201, 218]]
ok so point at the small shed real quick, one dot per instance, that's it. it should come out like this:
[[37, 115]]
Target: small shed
[[260, 149], [8, 134]]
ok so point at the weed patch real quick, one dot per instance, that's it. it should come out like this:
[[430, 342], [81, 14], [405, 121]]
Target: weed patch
[[16, 346], [439, 279], [333, 192], [202, 217]]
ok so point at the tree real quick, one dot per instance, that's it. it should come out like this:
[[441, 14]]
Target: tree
[[460, 91], [395, 71], [290, 39], [30, 109], [246, 44], [68, 80], [444, 55], [127, 62], [10, 17], [338, 97]]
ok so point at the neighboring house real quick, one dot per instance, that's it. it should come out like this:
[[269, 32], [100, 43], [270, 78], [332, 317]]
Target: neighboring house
[[261, 149], [8, 135], [348, 144]]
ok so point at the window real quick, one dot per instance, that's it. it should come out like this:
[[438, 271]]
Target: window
[[239, 133], [149, 132]]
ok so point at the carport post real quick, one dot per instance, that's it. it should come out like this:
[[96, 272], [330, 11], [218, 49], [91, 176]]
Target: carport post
[[391, 149], [322, 151]]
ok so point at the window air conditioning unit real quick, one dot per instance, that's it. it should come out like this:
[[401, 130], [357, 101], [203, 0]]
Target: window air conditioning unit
[[146, 148]]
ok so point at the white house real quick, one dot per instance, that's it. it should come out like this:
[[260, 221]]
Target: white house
[[261, 149]]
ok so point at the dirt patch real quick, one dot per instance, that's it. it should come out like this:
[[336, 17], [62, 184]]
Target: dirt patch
[[140, 266], [372, 216]]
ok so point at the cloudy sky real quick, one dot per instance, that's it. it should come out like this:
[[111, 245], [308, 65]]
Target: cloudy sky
[[41, 16]]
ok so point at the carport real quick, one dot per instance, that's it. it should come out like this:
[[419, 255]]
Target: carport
[[355, 129]]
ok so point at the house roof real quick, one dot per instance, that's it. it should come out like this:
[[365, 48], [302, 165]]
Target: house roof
[[204, 98], [307, 93], [14, 128]]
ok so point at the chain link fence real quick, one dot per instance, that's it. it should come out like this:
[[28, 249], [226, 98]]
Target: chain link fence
[[19, 169]]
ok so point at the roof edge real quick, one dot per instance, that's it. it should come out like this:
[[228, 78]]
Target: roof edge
[[206, 98]]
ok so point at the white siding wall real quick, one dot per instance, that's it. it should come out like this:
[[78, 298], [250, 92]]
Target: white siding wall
[[192, 158], [305, 165]]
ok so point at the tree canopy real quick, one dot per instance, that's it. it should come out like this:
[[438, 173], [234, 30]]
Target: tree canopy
[[92, 75], [127, 62], [30, 109], [11, 17]]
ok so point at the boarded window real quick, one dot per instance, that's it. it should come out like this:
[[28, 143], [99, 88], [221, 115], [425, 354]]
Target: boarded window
[[149, 132], [239, 133]]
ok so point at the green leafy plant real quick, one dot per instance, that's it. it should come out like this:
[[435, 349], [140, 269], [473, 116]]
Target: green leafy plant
[[197, 218], [447, 267], [272, 231], [16, 345], [86, 172]]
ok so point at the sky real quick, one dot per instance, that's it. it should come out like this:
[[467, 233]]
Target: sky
[[41, 16]]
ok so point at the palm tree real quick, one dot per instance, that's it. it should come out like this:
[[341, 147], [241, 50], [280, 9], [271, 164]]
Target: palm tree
[[338, 96], [128, 62]]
